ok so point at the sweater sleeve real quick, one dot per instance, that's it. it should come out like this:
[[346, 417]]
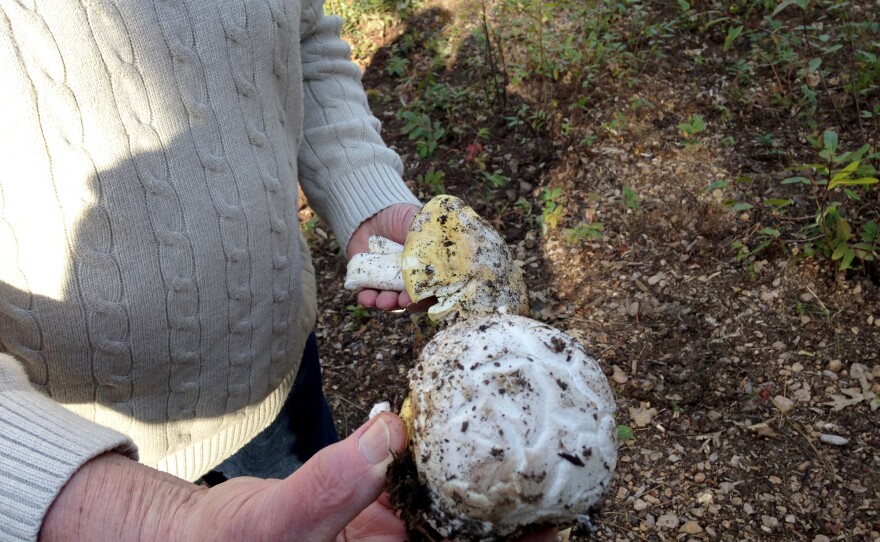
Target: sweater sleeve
[[346, 171], [42, 444]]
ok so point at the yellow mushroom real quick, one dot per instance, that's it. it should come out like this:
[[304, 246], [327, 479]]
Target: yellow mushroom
[[450, 253]]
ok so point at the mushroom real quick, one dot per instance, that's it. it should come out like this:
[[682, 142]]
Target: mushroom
[[511, 425], [450, 253]]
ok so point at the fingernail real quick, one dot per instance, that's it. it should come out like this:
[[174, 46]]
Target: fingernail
[[375, 443]]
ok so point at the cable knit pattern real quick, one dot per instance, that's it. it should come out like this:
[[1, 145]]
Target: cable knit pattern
[[177, 24], [258, 122], [154, 288], [21, 331], [174, 250], [95, 268]]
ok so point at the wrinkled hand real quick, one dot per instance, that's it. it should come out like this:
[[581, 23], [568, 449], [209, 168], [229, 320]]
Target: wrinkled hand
[[393, 223], [333, 496]]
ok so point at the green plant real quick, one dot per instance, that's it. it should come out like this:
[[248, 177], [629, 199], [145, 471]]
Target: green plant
[[630, 199], [425, 133], [495, 179], [432, 182], [584, 232], [766, 140], [358, 314], [839, 230], [694, 125], [396, 66], [552, 210], [625, 433]]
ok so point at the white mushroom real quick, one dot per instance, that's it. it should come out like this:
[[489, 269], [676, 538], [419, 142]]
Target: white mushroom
[[450, 253], [512, 425]]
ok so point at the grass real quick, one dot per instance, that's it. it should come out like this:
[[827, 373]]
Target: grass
[[549, 68]]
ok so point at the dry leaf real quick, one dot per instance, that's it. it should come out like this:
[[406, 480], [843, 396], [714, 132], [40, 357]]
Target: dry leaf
[[854, 396], [642, 416]]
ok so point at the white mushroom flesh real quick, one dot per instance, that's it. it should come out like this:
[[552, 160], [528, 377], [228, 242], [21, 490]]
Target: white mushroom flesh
[[512, 425], [378, 269]]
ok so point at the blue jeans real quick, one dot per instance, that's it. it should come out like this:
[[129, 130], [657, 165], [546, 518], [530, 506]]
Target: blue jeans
[[304, 426]]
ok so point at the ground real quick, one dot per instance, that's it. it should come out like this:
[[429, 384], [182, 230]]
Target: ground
[[749, 385]]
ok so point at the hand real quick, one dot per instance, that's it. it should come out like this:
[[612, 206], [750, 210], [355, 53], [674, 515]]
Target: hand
[[333, 496], [393, 223]]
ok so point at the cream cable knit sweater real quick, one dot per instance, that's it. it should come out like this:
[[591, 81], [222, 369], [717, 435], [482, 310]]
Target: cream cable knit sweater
[[155, 294]]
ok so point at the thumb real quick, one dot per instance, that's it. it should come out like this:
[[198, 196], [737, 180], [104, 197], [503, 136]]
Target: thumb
[[336, 484]]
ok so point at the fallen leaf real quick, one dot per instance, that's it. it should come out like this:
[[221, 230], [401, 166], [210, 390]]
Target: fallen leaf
[[854, 396], [642, 416]]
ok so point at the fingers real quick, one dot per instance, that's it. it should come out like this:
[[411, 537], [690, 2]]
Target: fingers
[[339, 482], [385, 300], [367, 298], [377, 523]]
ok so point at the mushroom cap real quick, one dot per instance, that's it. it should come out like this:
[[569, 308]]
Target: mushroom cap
[[452, 253], [512, 425]]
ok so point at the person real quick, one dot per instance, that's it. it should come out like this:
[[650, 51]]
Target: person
[[156, 298]]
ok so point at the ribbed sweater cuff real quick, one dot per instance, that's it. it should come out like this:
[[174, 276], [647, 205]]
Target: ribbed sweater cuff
[[358, 195], [43, 445]]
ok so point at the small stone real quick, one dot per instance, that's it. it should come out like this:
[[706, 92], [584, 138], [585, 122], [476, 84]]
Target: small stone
[[654, 279], [796, 367], [640, 505], [690, 527], [821, 538], [834, 440], [835, 365], [830, 374], [633, 309], [667, 521], [784, 404], [858, 370], [806, 297], [770, 522]]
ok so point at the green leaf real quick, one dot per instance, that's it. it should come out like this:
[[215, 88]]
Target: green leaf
[[814, 65], [864, 181], [625, 432], [716, 185], [781, 7], [742, 207], [839, 251], [795, 180], [778, 202], [732, 34], [852, 194], [850, 168], [829, 140], [848, 258], [771, 232]]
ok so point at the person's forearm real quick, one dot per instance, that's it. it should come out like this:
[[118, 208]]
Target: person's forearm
[[114, 498]]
